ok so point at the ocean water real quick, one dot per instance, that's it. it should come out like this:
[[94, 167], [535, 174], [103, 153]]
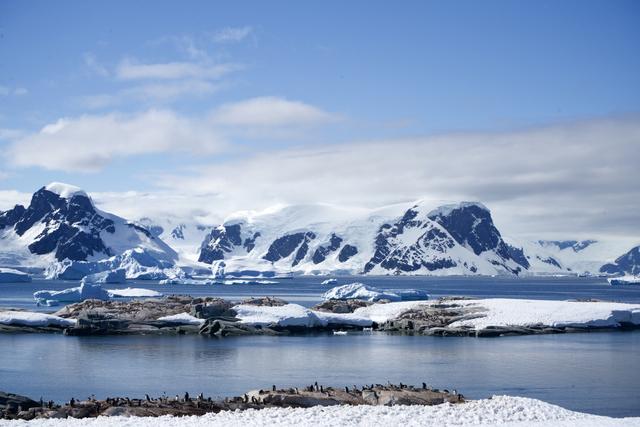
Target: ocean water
[[590, 372]]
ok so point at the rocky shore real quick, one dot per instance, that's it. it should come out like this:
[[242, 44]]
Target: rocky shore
[[15, 407], [453, 316]]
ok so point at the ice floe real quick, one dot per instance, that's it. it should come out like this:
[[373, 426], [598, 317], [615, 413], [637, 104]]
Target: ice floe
[[369, 293], [9, 275]]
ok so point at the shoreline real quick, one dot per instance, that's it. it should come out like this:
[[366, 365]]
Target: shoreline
[[16, 407]]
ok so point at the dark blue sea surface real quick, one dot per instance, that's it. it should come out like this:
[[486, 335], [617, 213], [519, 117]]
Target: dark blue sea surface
[[590, 372]]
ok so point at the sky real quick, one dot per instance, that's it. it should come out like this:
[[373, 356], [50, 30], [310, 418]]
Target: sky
[[203, 108]]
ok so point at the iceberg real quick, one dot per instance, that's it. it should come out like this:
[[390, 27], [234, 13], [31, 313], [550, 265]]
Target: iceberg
[[9, 275], [369, 293], [109, 277], [90, 291], [624, 280], [77, 294], [330, 282], [133, 293]]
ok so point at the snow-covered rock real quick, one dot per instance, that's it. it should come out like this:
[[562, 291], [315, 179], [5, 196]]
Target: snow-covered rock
[[369, 293], [324, 239], [10, 275], [110, 277], [137, 264], [521, 312], [62, 223], [25, 318], [628, 263], [77, 294]]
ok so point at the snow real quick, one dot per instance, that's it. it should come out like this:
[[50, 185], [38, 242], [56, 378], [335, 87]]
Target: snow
[[494, 312], [133, 293], [25, 318], [330, 282], [499, 410], [369, 293], [9, 275], [66, 191], [521, 312], [183, 318]]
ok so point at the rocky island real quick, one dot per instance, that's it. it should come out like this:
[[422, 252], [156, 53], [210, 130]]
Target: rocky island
[[352, 309]]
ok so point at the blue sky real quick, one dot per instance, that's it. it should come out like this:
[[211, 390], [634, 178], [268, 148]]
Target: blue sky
[[226, 83]]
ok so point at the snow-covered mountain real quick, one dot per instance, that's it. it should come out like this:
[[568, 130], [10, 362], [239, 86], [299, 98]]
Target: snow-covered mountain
[[62, 223], [421, 239], [628, 263], [63, 231]]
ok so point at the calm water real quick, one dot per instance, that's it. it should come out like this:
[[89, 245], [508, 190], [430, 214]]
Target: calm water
[[592, 372]]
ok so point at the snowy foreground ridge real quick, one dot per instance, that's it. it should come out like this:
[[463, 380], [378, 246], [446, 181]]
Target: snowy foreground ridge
[[500, 410]]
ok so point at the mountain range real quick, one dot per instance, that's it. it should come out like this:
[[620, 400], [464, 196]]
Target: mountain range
[[62, 231]]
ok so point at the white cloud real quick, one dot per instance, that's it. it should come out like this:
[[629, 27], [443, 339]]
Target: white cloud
[[575, 180], [231, 34], [131, 70], [269, 111], [88, 143]]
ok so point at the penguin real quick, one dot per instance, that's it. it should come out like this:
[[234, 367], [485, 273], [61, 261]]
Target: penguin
[[186, 396], [346, 389], [273, 387], [148, 399], [424, 386]]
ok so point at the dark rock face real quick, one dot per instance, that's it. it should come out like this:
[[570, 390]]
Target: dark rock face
[[72, 225], [347, 252], [250, 242], [390, 254], [284, 246], [628, 263], [550, 261], [323, 251], [341, 306], [178, 232], [10, 217], [221, 240], [472, 226]]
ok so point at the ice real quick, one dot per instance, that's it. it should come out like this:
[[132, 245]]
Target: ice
[[25, 318], [330, 282], [9, 275], [498, 410], [624, 280], [90, 291], [369, 293], [110, 277], [183, 319], [77, 294], [133, 293]]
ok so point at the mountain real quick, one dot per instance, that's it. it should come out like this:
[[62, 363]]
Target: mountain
[[628, 263], [452, 239], [61, 223]]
